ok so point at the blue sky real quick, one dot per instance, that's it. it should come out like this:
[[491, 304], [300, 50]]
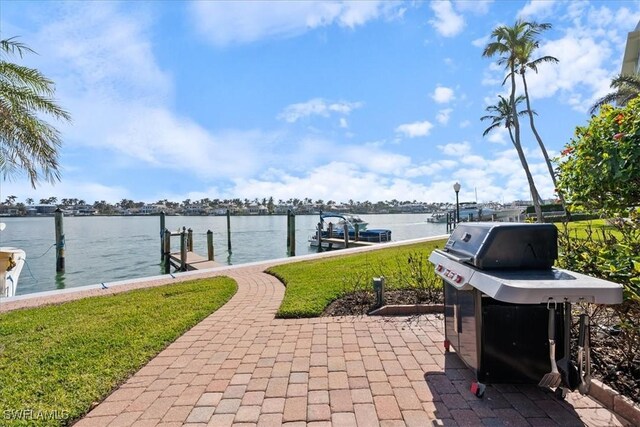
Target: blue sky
[[326, 100]]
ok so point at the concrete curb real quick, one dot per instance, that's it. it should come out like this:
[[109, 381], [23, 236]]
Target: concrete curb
[[615, 402]]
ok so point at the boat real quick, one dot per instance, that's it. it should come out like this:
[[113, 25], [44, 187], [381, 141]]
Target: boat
[[11, 263], [438, 217], [351, 221], [488, 212], [332, 232]]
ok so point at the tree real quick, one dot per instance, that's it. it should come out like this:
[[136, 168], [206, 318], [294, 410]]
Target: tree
[[525, 62], [508, 43], [501, 117], [28, 143], [627, 87], [29, 200], [600, 167]]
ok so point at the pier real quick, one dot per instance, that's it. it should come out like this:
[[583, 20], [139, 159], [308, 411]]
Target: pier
[[192, 262], [186, 259]]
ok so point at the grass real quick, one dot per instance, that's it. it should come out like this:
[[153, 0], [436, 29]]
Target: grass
[[56, 361], [313, 285], [582, 229]]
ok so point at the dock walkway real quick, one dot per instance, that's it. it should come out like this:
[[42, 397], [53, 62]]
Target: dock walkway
[[194, 261], [243, 367]]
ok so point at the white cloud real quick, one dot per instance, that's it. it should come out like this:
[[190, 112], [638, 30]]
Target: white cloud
[[239, 22], [481, 42], [446, 22], [499, 135], [537, 9], [415, 129], [455, 149], [343, 123], [478, 7], [443, 116], [316, 107], [443, 95], [465, 123]]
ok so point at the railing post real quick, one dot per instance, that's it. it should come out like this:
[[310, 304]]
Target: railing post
[[210, 245], [356, 227], [190, 240]]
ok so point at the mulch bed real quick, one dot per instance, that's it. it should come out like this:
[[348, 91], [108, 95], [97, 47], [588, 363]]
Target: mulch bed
[[609, 363]]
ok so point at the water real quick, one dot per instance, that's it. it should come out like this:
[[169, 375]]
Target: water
[[107, 249]]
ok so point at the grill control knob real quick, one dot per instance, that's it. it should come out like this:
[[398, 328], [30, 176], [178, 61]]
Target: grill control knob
[[459, 278], [439, 267]]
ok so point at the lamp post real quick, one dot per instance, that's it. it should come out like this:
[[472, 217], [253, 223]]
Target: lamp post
[[456, 188]]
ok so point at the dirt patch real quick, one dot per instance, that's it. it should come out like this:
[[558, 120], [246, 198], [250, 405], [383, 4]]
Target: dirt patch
[[360, 303]]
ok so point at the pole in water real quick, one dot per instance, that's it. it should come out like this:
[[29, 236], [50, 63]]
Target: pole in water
[[210, 245], [183, 249], [288, 230], [162, 228], [292, 239], [229, 230], [167, 251], [59, 241]]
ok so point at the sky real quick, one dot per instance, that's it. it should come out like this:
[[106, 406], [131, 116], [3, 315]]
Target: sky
[[366, 100]]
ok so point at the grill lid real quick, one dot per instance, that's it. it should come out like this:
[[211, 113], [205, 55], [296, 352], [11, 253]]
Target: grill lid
[[491, 245]]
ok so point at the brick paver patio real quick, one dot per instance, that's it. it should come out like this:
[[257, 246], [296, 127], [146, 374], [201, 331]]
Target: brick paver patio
[[242, 367]]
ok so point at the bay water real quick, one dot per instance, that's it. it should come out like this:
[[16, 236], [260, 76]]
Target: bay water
[[102, 249]]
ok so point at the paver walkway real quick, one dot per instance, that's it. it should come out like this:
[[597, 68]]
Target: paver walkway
[[242, 367]]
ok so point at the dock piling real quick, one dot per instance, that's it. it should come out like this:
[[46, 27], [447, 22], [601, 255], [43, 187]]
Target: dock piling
[[229, 230], [59, 225], [183, 249], [291, 233], [320, 236], [162, 228], [167, 251], [346, 235], [210, 245], [357, 231], [190, 240]]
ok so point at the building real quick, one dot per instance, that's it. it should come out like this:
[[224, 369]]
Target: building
[[631, 59]]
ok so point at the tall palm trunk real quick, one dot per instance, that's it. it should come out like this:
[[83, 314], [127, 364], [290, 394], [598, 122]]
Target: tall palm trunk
[[516, 127], [543, 148]]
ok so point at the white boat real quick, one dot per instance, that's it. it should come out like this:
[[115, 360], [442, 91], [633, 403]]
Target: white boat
[[332, 234], [438, 217], [11, 263]]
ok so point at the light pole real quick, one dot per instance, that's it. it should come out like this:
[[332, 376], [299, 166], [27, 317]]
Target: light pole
[[456, 188]]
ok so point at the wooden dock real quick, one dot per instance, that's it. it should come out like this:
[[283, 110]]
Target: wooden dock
[[194, 261], [352, 243]]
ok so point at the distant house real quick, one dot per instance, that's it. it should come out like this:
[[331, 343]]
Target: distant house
[[37, 210], [151, 209]]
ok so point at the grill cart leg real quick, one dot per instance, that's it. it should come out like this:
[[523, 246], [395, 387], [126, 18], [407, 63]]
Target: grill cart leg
[[477, 388]]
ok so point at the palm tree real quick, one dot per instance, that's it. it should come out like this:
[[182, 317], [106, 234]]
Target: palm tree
[[501, 116], [509, 41], [28, 143], [627, 87], [525, 62]]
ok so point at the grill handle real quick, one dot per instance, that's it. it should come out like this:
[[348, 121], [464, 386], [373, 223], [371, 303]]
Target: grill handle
[[459, 259]]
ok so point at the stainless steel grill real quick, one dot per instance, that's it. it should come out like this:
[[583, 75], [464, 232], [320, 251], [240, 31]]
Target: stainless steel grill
[[499, 282]]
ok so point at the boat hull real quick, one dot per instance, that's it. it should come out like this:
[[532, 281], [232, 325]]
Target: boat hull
[[11, 263]]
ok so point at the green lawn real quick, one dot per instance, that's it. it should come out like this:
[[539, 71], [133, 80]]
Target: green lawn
[[313, 285], [581, 229], [55, 361]]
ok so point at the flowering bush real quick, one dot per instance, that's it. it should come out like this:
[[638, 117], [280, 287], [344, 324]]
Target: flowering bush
[[600, 167]]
